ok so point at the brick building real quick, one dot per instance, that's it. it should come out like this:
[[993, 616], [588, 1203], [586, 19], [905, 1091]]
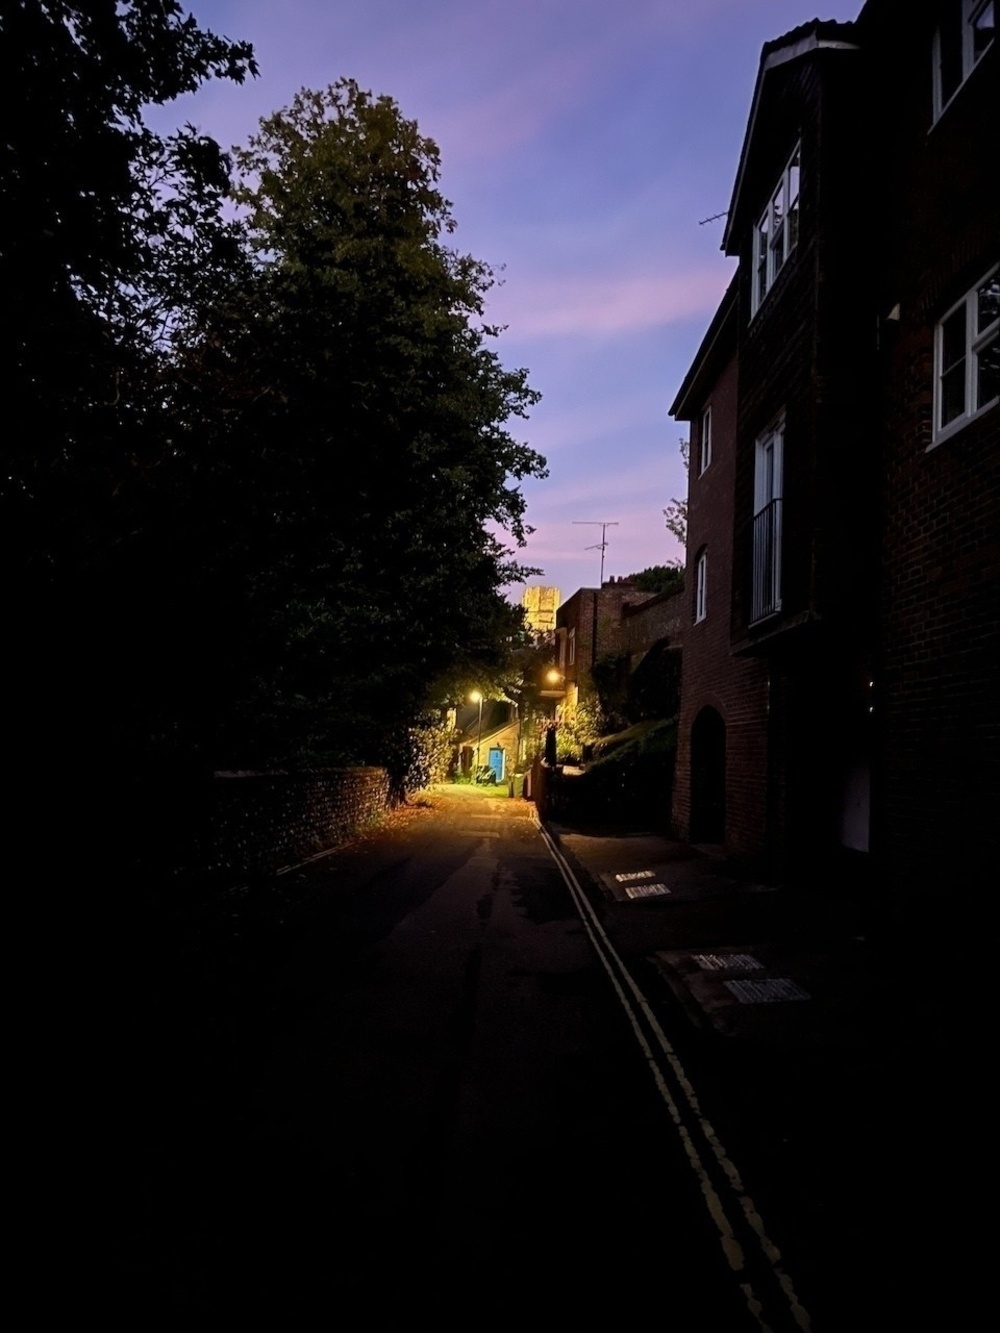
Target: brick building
[[722, 733], [589, 627], [937, 300], [839, 682], [635, 637]]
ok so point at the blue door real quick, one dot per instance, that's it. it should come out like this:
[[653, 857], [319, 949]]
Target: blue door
[[496, 761]]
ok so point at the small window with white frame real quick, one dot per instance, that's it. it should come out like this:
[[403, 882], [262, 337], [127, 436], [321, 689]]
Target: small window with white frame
[[701, 588], [966, 30], [967, 357], [572, 646], [776, 233], [705, 440]]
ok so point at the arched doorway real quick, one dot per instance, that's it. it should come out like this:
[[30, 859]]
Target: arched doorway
[[708, 777]]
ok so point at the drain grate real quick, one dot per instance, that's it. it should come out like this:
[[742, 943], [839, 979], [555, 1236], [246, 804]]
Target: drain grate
[[727, 962], [766, 992], [627, 876], [646, 890]]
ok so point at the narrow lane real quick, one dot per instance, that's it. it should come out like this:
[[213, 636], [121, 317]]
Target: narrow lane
[[450, 1119]]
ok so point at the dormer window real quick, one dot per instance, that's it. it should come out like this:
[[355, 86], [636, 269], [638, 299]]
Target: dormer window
[[967, 29], [777, 232]]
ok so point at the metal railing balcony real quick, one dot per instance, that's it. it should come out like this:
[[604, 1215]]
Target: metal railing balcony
[[765, 597]]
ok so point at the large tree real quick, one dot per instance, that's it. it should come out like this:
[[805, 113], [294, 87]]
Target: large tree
[[107, 231], [103, 229], [355, 415]]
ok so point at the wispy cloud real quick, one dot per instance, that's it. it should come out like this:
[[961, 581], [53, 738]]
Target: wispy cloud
[[511, 115], [601, 305]]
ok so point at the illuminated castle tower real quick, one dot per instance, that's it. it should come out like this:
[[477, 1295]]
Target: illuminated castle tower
[[540, 606]]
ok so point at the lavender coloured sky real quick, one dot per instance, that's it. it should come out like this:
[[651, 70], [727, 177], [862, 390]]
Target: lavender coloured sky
[[582, 144]]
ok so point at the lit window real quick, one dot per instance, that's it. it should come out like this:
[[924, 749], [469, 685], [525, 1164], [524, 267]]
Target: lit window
[[701, 588], [705, 441], [966, 31], [777, 232], [967, 357], [768, 467]]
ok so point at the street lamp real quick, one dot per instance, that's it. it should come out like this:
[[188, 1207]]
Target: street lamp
[[555, 689], [477, 698]]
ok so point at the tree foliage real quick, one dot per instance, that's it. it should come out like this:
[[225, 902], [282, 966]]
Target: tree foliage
[[107, 232], [350, 390], [631, 775], [104, 222], [260, 462], [658, 579], [675, 516], [430, 747], [580, 726]]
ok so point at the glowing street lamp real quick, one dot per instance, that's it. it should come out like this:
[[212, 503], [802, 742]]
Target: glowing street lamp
[[477, 698], [556, 682]]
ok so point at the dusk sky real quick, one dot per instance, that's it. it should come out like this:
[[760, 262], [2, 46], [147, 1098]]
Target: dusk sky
[[582, 143]]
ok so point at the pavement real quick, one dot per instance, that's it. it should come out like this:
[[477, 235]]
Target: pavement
[[815, 1044], [819, 1077], [748, 961]]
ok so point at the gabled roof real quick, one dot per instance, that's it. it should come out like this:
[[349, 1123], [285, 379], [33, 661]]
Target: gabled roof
[[816, 35]]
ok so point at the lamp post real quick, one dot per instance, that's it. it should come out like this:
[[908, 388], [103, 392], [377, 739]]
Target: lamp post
[[477, 698]]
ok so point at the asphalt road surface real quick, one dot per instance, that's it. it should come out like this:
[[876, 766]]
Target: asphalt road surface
[[401, 1086]]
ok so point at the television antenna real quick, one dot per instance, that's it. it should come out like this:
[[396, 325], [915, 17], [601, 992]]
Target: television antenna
[[601, 546]]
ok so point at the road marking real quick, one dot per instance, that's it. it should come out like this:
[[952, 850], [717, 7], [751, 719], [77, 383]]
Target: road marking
[[646, 890], [642, 1019], [728, 962], [770, 991]]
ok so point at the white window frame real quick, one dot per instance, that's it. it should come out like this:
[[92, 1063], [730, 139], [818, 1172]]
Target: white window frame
[[572, 646], [977, 339], [967, 14], [777, 232], [701, 588], [769, 470], [705, 440]]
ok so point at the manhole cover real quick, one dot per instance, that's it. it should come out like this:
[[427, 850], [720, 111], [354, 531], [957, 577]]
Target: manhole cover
[[645, 890], [727, 962], [767, 991]]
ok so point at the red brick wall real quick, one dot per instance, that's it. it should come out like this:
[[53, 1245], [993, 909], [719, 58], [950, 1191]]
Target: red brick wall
[[736, 687], [596, 616], [891, 553], [260, 822], [938, 685], [809, 354], [663, 616]]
